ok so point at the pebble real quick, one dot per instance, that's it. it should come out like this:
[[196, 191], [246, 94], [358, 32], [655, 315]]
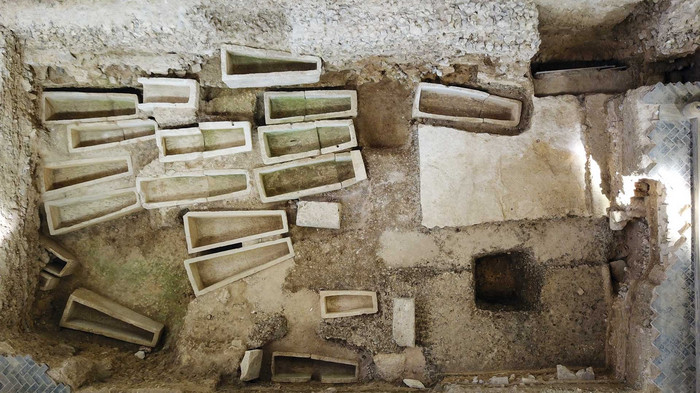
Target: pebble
[[140, 354]]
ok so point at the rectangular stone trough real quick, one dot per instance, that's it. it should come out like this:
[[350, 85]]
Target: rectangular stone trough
[[206, 230], [309, 176], [70, 214], [172, 93], [287, 142], [459, 104], [209, 139], [59, 107], [303, 367], [309, 105], [67, 175], [47, 281], [93, 136], [192, 187], [89, 312], [337, 304], [213, 271], [243, 66], [64, 262]]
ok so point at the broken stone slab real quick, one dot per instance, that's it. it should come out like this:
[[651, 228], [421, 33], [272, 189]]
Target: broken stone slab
[[413, 383], [309, 176], [70, 214], [58, 177], [564, 373], [309, 105], [192, 187], [243, 66], [250, 365], [89, 312], [302, 367], [47, 281], [93, 136], [404, 322], [170, 93], [344, 303], [214, 271], [586, 374], [64, 263], [61, 107], [208, 139], [206, 230], [286, 142], [318, 214], [459, 104]]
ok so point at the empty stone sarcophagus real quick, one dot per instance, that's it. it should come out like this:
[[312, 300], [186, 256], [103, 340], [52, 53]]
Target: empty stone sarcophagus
[[64, 263], [303, 367], [309, 176], [209, 139], [337, 304], [70, 214], [93, 136], [192, 187], [71, 106], [93, 313], [287, 142], [172, 93], [213, 271], [309, 105], [459, 104], [211, 229], [243, 66], [66, 175]]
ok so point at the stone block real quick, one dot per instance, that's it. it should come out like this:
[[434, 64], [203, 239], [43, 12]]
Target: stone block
[[209, 139], [286, 142], [57, 177], [192, 187], [564, 374], [309, 105], [170, 93], [309, 176], [243, 66], [250, 365], [459, 104], [93, 313], [206, 230], [318, 214], [404, 322], [64, 263], [302, 367], [344, 303], [214, 271], [70, 214], [93, 136], [62, 107]]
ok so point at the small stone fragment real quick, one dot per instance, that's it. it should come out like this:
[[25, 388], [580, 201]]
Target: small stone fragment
[[498, 381], [580, 291], [414, 383], [140, 354], [250, 365], [318, 214], [529, 379], [564, 373], [586, 374]]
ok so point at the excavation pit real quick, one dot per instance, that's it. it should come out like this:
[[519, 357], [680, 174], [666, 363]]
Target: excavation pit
[[506, 282]]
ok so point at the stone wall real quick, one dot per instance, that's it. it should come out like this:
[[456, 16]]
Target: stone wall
[[19, 264]]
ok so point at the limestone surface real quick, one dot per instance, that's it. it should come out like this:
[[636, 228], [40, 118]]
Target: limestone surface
[[404, 322], [250, 365], [468, 178]]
